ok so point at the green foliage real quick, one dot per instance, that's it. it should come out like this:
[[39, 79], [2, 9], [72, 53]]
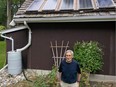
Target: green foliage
[[16, 4], [49, 80], [89, 54], [3, 11], [2, 53], [2, 28], [84, 79]]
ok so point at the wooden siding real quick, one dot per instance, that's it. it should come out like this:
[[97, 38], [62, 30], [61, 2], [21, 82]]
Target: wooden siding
[[39, 55]]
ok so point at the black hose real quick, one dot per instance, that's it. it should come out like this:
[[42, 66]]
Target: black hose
[[26, 76]]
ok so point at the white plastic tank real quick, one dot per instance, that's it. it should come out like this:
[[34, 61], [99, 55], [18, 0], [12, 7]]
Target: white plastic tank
[[14, 62]]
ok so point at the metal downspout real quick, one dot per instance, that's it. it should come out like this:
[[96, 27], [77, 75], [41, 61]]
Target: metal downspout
[[10, 38], [29, 39]]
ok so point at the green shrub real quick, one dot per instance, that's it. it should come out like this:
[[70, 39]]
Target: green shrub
[[49, 80], [89, 55], [84, 79], [2, 28]]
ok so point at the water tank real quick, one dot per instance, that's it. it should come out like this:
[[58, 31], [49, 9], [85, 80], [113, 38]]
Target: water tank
[[14, 62]]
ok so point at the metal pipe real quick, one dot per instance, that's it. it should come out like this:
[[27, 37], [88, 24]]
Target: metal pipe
[[17, 29], [13, 29], [29, 39], [3, 68], [9, 31], [9, 38]]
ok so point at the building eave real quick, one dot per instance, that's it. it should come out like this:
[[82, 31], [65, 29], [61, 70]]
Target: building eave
[[67, 19]]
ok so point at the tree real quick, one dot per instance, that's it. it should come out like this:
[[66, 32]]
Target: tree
[[16, 4], [3, 10], [7, 9]]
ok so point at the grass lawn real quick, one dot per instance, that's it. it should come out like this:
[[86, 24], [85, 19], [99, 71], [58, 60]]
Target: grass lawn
[[2, 53]]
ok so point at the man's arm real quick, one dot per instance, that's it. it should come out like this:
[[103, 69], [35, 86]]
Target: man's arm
[[78, 77], [78, 73], [59, 78]]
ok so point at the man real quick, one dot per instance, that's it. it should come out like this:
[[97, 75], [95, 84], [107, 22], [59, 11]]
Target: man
[[69, 71]]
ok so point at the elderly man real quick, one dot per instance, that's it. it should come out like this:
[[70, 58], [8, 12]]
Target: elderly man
[[69, 71]]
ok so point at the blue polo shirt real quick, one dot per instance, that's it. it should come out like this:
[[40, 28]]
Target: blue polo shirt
[[69, 71]]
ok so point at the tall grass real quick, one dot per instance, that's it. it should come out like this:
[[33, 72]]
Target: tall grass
[[49, 80], [2, 53]]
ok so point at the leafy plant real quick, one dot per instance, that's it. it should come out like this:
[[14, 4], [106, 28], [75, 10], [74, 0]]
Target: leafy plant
[[49, 80], [3, 12], [2, 28], [84, 79], [3, 9], [89, 54]]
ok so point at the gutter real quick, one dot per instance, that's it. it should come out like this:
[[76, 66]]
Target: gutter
[[65, 19]]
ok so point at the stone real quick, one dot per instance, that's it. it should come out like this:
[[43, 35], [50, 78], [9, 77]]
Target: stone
[[7, 79]]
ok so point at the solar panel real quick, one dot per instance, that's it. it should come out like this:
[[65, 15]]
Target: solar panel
[[105, 3], [50, 5], [35, 5], [85, 4], [67, 5]]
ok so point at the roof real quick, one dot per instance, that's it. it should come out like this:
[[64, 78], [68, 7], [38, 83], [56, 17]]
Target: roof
[[46, 10]]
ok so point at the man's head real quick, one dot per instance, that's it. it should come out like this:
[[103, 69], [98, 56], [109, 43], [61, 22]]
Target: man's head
[[69, 55]]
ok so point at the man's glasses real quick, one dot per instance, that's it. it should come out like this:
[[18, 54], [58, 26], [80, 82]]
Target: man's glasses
[[68, 55]]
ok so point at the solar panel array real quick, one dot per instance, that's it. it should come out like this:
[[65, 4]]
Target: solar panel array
[[62, 5]]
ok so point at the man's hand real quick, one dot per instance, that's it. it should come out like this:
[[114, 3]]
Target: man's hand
[[77, 83]]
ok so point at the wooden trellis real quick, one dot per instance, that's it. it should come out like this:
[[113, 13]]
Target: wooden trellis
[[58, 52]]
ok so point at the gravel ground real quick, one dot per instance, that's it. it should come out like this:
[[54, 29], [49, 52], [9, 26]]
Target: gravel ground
[[103, 84], [6, 79]]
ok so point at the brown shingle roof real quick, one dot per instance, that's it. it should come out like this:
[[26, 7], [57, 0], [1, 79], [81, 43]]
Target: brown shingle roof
[[46, 14], [24, 6]]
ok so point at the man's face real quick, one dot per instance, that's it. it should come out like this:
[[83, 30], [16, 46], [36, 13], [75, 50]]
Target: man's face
[[69, 57]]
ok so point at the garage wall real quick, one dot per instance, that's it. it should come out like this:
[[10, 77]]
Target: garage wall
[[39, 55]]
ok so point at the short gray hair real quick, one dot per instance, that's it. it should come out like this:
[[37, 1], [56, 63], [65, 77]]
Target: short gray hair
[[69, 51]]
